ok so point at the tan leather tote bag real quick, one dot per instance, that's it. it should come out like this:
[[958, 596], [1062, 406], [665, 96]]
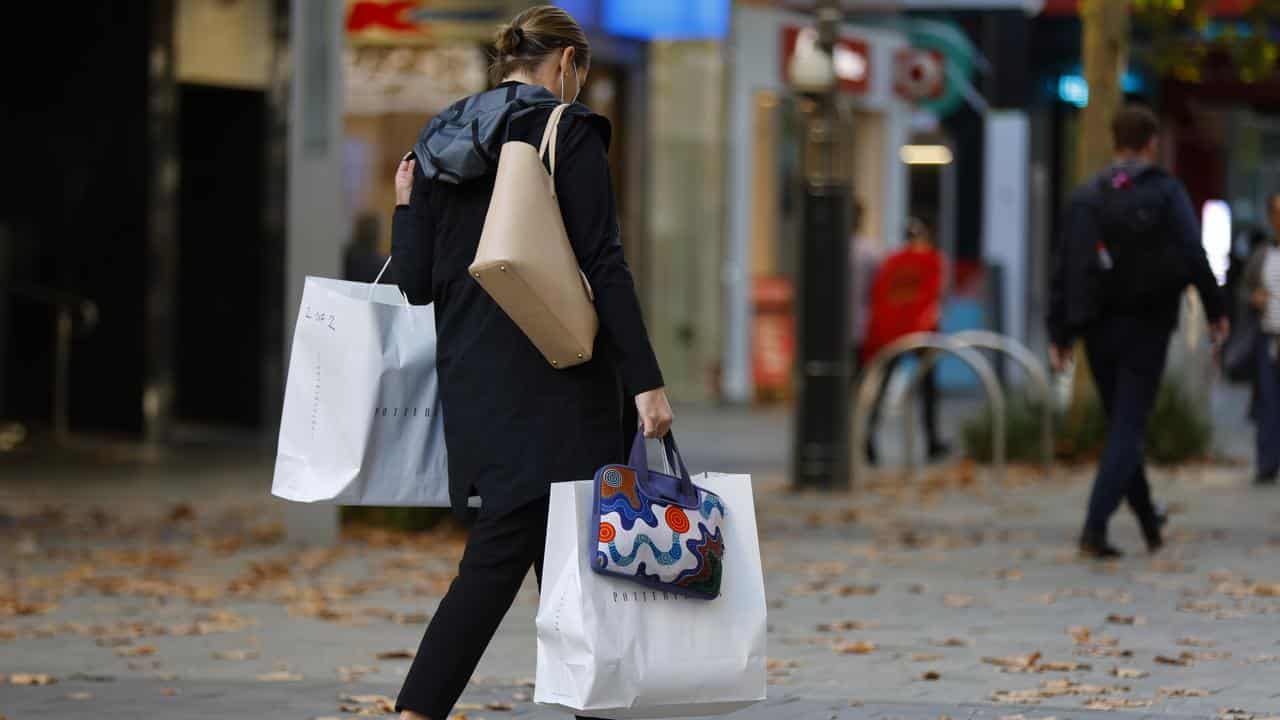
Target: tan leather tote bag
[[524, 260]]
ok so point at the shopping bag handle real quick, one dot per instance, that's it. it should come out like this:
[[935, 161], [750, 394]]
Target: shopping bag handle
[[680, 492], [374, 285]]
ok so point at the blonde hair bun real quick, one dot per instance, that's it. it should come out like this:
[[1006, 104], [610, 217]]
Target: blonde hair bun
[[509, 39]]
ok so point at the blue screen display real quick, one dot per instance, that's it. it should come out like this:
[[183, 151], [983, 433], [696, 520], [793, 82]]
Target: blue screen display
[[664, 19]]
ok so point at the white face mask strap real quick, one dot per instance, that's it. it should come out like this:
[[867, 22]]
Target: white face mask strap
[[577, 83]]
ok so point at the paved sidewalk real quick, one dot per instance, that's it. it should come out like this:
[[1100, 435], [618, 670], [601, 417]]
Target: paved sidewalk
[[169, 592]]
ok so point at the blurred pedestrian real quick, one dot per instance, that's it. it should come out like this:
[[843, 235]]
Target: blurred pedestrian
[[361, 261], [864, 261], [906, 298], [513, 423], [1131, 247], [1260, 290]]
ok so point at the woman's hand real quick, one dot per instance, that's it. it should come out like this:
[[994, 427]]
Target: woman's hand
[[404, 180], [655, 412]]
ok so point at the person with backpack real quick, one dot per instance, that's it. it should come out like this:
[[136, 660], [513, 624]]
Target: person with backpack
[[1131, 247]]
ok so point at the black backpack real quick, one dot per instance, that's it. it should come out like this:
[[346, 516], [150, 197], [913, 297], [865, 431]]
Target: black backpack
[[1139, 263]]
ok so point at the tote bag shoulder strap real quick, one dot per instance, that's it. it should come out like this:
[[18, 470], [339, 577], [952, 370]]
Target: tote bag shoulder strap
[[548, 145]]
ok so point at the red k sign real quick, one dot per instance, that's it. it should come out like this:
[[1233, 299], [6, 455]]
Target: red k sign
[[369, 15]]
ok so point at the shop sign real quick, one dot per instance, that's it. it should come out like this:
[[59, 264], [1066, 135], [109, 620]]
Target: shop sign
[[773, 336], [919, 74], [422, 22], [851, 58]]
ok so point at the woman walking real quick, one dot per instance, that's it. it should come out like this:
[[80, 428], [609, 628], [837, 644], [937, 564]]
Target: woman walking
[[513, 423]]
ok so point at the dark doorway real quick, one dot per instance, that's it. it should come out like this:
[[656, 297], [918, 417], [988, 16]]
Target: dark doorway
[[221, 285]]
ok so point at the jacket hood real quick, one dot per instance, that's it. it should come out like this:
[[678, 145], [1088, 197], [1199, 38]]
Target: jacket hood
[[1131, 170], [463, 142]]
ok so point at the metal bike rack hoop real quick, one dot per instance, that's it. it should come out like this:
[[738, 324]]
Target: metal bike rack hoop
[[873, 376]]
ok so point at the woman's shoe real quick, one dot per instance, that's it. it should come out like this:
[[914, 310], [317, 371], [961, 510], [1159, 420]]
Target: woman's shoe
[[1153, 530], [1095, 547], [1265, 479]]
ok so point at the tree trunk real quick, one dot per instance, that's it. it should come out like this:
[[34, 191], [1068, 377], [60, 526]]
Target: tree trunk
[[1104, 26]]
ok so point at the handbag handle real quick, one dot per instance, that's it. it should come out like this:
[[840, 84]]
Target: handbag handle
[[684, 493], [547, 148]]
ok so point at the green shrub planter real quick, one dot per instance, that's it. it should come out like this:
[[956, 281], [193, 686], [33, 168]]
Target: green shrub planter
[[1178, 431]]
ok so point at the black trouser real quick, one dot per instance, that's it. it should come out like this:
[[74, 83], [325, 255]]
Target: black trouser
[[1126, 356], [928, 398], [1266, 389], [499, 551]]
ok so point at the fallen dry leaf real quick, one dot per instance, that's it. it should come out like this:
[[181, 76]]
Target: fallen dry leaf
[[1126, 619], [845, 626], [1267, 589], [279, 676], [1080, 634], [926, 657], [1115, 704], [1128, 673], [395, 655], [957, 600], [1061, 666], [137, 651], [168, 692], [1014, 662], [858, 647], [952, 642], [351, 673], [1182, 692], [80, 695], [1196, 642], [31, 679], [931, 675], [1182, 660]]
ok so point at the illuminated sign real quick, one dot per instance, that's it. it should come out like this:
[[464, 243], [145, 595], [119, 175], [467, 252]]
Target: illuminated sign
[[666, 19], [851, 59], [422, 22]]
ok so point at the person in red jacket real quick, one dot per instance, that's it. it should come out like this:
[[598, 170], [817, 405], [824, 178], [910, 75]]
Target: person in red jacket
[[906, 298]]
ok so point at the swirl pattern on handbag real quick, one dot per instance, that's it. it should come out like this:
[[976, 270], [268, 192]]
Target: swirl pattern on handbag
[[633, 526]]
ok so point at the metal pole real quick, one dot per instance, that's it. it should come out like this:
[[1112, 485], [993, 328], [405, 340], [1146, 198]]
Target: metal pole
[[821, 452], [61, 371], [160, 301]]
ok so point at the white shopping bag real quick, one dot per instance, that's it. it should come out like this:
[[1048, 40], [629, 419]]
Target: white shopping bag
[[612, 648], [362, 422]]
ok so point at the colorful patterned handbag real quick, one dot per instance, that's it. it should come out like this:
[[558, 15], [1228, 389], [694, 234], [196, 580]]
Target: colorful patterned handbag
[[658, 529]]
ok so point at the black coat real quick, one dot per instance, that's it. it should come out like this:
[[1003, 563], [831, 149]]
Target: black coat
[[513, 424]]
